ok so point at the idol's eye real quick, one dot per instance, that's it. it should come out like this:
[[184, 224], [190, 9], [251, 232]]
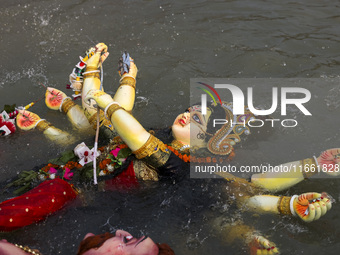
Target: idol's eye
[[196, 118], [187, 110], [127, 239]]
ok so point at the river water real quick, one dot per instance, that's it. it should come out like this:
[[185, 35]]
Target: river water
[[171, 42]]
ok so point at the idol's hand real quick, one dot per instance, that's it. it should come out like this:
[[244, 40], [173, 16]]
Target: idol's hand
[[261, 245], [100, 97], [329, 161], [27, 120], [311, 206], [99, 56], [54, 98], [132, 70]]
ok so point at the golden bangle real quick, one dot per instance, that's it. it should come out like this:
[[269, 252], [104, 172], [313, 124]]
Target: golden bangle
[[112, 108], [129, 81], [67, 105], [91, 68], [151, 146], [43, 125], [283, 205], [89, 75], [102, 121], [309, 167]]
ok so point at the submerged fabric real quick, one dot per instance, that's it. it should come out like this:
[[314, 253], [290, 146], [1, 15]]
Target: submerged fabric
[[35, 205]]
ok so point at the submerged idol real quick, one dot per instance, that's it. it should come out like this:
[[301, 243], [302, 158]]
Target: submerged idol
[[148, 158]]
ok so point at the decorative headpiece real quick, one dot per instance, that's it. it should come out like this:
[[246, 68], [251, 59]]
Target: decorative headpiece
[[223, 140]]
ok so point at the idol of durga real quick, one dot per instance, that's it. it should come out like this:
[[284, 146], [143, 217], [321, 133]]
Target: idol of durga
[[134, 154]]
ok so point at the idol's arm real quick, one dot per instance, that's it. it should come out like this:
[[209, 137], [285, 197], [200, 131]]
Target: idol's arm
[[286, 175], [91, 79], [144, 145], [28, 120], [308, 206], [57, 100], [126, 91], [128, 128]]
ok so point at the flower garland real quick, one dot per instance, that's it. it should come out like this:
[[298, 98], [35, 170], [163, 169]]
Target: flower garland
[[184, 156], [69, 164]]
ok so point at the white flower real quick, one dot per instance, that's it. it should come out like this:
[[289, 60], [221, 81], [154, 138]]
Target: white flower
[[84, 154], [101, 173], [52, 176], [41, 177], [110, 168]]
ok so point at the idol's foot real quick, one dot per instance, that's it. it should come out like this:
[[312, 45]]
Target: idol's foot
[[260, 246], [54, 98]]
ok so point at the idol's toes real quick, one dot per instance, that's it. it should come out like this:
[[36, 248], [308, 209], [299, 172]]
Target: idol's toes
[[54, 98], [261, 245], [27, 120]]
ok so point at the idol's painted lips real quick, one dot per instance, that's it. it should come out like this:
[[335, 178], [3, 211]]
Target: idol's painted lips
[[182, 122]]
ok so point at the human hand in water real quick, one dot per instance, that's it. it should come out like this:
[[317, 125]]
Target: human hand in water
[[311, 206], [329, 161], [260, 245], [54, 98], [100, 97], [27, 120], [99, 56]]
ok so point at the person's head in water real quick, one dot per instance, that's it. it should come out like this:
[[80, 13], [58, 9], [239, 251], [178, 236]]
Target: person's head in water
[[121, 243]]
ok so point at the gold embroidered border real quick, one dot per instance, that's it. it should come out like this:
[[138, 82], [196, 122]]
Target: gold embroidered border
[[283, 205], [94, 75], [151, 146], [144, 171], [43, 125], [67, 105], [90, 68]]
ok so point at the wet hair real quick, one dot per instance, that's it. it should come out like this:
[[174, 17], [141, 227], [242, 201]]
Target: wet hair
[[165, 249], [96, 241], [217, 112]]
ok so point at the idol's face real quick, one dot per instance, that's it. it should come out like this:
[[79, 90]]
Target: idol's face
[[125, 244], [191, 124]]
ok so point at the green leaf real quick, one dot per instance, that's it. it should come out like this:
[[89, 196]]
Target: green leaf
[[124, 153], [22, 189], [9, 108], [64, 158]]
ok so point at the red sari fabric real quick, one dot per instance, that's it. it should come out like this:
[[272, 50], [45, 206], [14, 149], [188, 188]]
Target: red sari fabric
[[125, 181], [35, 205]]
